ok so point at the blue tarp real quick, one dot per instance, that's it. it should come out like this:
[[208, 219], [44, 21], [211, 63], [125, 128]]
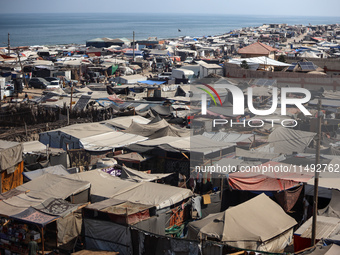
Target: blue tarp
[[151, 82]]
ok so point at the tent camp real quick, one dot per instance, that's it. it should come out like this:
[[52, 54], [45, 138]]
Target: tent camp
[[156, 130], [258, 224]]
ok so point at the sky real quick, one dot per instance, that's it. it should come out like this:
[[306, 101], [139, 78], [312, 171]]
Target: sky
[[253, 7]]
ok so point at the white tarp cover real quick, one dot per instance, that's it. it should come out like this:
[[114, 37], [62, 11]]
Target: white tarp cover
[[51, 185], [110, 140], [265, 61], [287, 141], [10, 154], [258, 224]]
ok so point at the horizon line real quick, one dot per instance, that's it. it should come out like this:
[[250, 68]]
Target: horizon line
[[193, 13]]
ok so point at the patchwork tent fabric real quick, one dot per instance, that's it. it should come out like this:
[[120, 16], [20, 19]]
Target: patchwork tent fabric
[[32, 215]]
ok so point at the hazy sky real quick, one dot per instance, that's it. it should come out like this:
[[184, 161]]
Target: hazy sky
[[262, 7]]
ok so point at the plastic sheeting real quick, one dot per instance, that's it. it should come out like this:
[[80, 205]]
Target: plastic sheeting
[[107, 236]]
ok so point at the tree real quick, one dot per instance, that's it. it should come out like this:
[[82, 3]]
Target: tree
[[282, 58], [244, 64]]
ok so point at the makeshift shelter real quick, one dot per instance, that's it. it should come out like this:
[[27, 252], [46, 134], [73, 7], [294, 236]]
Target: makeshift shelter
[[131, 174], [325, 227], [109, 141], [287, 141], [258, 224], [331, 249], [121, 212], [328, 180], [264, 178], [125, 121], [70, 136], [103, 185], [11, 165], [51, 185], [333, 208], [57, 170], [229, 137], [156, 130]]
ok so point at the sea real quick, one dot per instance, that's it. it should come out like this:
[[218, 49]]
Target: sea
[[65, 28]]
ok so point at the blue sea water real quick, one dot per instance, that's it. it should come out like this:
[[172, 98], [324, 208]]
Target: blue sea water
[[50, 29]]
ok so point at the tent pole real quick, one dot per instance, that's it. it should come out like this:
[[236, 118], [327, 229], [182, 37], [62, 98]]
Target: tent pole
[[316, 176]]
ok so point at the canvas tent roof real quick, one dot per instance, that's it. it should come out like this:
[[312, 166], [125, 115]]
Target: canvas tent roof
[[228, 137], [126, 121], [333, 208], [159, 195], [58, 170], [258, 220], [129, 173], [287, 141], [103, 185], [33, 146], [156, 130], [110, 140], [10, 154], [131, 157], [51, 185]]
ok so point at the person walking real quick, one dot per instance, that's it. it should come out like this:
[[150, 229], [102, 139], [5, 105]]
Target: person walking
[[33, 247]]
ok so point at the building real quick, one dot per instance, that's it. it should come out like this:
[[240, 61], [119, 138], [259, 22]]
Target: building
[[257, 50]]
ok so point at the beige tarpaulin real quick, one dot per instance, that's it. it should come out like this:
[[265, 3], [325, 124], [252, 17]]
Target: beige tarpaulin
[[258, 224]]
